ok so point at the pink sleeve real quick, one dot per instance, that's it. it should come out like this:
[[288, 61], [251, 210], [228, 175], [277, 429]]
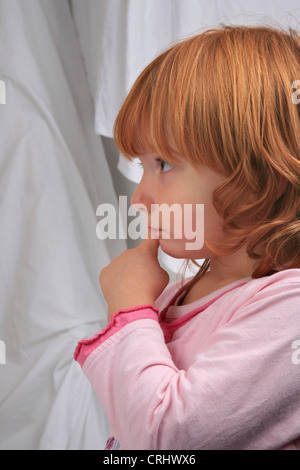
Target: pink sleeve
[[121, 318], [241, 391]]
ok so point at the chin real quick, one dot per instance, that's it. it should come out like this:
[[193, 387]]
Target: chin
[[176, 249]]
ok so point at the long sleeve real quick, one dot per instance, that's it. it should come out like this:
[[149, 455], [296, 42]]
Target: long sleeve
[[226, 380]]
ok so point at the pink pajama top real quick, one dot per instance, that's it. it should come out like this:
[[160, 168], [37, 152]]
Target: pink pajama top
[[220, 373]]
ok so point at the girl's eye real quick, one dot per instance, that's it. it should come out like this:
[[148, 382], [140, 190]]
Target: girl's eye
[[164, 166]]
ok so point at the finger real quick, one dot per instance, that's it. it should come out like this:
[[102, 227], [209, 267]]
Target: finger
[[150, 243]]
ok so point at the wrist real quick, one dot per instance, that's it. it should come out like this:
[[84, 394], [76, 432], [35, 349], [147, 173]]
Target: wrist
[[117, 306]]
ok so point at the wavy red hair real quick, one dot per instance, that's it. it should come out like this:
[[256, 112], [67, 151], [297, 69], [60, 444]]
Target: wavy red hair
[[225, 97]]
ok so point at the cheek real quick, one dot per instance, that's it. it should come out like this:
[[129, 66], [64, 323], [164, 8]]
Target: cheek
[[182, 222], [198, 228], [193, 224], [213, 227], [186, 236]]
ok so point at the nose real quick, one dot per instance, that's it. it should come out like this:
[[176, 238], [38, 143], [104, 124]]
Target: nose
[[141, 198]]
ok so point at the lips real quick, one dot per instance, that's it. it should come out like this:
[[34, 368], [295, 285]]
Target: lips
[[159, 233]]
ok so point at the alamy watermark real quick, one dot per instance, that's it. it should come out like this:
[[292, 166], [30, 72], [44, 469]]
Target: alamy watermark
[[164, 221], [2, 352], [296, 87], [2, 92], [296, 353]]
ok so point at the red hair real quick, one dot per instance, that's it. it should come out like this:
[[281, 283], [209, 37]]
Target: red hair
[[225, 99]]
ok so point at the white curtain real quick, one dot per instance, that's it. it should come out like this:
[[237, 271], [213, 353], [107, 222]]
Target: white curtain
[[65, 79], [53, 175]]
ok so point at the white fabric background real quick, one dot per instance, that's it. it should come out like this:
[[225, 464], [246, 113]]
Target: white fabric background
[[53, 175], [62, 89]]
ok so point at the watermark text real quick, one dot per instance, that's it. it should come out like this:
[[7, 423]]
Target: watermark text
[[2, 92], [163, 221], [296, 353], [295, 95], [2, 352]]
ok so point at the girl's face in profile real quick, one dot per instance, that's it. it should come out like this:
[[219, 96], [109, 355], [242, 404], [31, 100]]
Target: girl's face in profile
[[164, 186]]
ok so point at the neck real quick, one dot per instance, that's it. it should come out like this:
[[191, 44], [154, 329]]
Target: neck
[[232, 267], [223, 271]]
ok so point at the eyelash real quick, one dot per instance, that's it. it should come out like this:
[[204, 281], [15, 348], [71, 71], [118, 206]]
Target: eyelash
[[160, 161]]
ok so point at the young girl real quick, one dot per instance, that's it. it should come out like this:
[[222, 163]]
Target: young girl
[[209, 364]]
